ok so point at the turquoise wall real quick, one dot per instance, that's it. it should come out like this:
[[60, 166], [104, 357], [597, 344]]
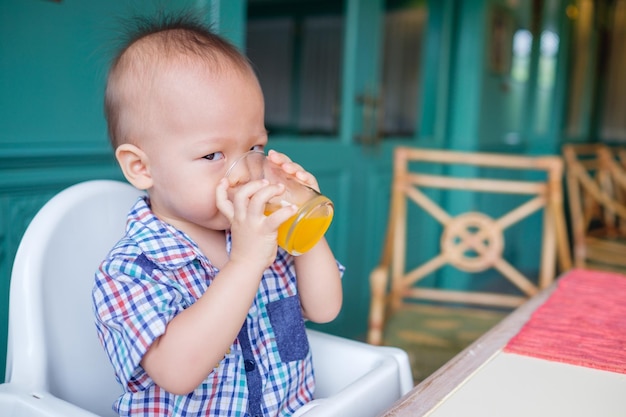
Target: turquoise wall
[[53, 63]]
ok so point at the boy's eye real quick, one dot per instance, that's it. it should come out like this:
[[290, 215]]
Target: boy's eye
[[214, 156], [258, 148]]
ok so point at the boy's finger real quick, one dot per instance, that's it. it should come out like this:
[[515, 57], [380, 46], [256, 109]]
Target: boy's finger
[[262, 197], [242, 194], [280, 216], [277, 157], [224, 205]]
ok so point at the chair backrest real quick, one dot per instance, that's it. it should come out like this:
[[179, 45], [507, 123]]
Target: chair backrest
[[53, 345], [473, 241], [621, 156], [596, 185]]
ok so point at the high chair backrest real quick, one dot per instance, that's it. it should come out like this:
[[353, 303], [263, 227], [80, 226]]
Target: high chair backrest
[[53, 345]]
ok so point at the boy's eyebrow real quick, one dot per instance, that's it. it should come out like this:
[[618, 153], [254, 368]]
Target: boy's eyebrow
[[219, 140]]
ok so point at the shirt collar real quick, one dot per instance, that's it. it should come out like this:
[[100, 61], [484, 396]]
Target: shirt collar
[[161, 243]]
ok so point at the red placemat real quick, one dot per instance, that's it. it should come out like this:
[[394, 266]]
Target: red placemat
[[583, 322]]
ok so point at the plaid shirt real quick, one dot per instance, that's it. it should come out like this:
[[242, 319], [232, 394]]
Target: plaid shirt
[[154, 273]]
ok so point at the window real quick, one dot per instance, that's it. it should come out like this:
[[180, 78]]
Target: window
[[297, 55]]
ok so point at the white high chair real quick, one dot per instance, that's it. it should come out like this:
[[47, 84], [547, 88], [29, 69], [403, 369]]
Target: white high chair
[[55, 364]]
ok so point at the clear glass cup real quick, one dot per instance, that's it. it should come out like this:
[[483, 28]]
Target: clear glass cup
[[315, 212]]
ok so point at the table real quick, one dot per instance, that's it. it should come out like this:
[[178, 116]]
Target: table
[[492, 378]]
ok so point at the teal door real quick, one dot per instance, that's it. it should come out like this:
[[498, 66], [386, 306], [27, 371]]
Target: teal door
[[524, 77], [344, 83]]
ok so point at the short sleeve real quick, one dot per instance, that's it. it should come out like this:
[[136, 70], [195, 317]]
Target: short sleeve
[[133, 302]]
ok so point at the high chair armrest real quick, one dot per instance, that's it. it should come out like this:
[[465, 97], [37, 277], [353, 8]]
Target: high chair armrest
[[355, 378], [17, 401]]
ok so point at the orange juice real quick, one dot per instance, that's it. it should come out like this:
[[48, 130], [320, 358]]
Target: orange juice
[[304, 229]]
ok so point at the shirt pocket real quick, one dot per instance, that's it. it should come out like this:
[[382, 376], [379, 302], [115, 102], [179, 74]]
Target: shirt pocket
[[288, 325]]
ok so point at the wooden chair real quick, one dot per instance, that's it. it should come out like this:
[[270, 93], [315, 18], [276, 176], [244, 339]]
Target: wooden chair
[[393, 286], [620, 155], [596, 185], [615, 160]]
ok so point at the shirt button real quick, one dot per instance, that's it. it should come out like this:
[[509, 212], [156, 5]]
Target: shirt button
[[249, 365]]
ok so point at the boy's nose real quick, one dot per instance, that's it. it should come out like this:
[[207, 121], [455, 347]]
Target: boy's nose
[[248, 167]]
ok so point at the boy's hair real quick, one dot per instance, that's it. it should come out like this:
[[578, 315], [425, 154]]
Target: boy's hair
[[153, 43]]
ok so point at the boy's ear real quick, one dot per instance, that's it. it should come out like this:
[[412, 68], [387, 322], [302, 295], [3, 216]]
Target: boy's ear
[[135, 165]]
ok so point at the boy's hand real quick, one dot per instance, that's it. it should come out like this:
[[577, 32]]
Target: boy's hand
[[253, 233], [292, 168]]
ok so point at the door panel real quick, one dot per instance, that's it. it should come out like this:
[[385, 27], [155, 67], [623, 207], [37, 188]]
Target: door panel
[[339, 97]]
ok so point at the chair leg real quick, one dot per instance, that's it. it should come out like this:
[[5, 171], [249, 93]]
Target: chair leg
[[378, 285]]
